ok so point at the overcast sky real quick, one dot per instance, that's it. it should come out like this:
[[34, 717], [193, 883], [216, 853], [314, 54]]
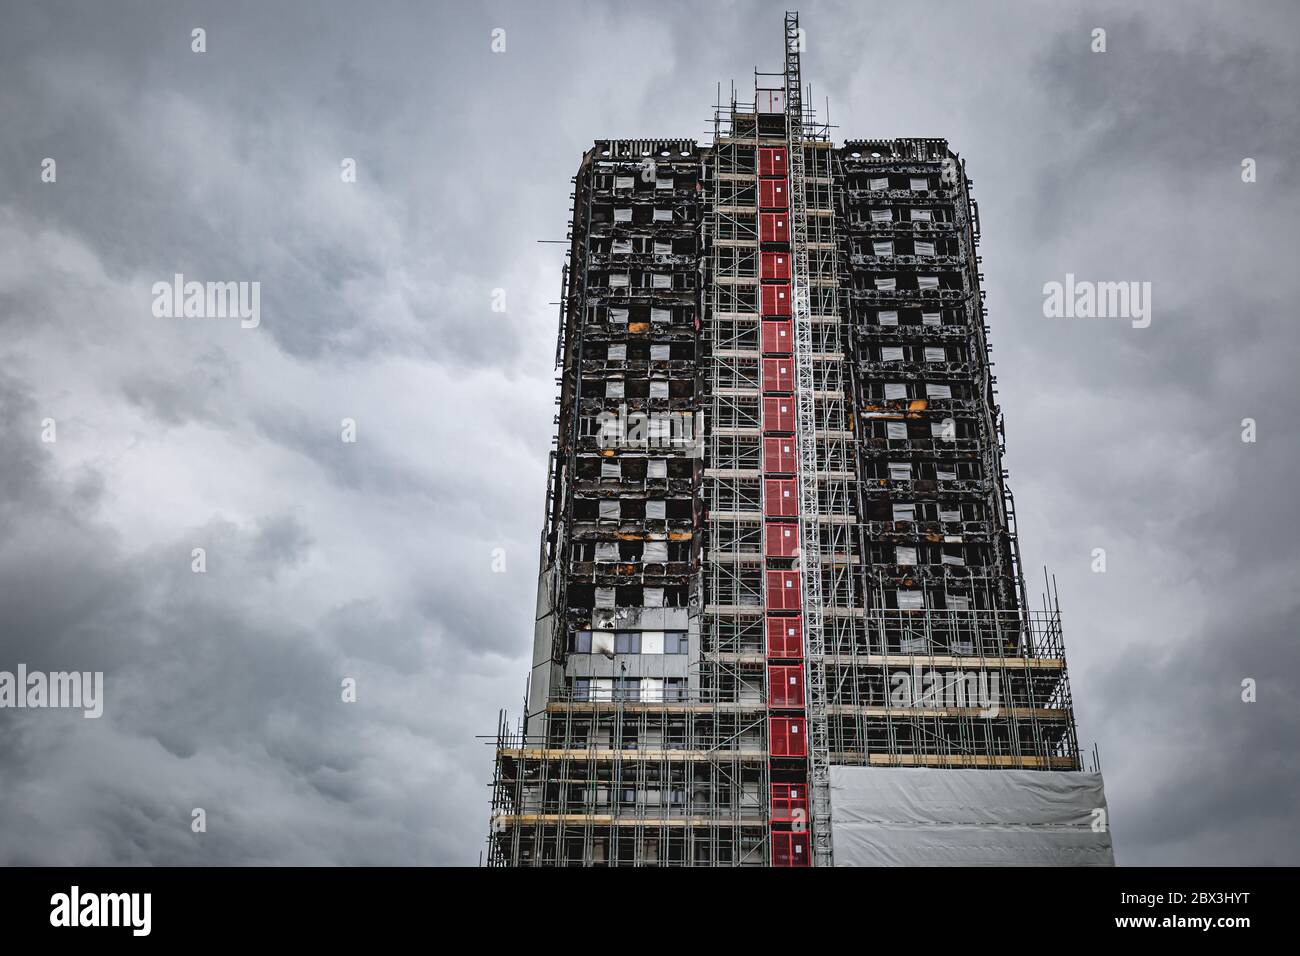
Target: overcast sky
[[373, 560]]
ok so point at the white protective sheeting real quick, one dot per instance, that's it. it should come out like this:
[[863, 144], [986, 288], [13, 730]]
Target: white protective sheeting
[[915, 816]]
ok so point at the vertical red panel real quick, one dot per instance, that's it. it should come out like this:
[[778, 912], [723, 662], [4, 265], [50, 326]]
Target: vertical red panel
[[778, 375], [778, 415], [784, 639], [785, 686], [774, 227], [772, 194], [777, 335], [789, 803], [776, 299], [786, 737], [791, 849], [780, 499], [776, 265], [783, 591], [781, 539], [779, 456], [771, 161]]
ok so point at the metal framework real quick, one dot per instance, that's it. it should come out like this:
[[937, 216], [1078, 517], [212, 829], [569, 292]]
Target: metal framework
[[809, 503], [670, 677]]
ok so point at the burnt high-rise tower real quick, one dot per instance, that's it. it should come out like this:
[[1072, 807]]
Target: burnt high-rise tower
[[780, 593]]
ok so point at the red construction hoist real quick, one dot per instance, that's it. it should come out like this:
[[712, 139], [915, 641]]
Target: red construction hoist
[[787, 719]]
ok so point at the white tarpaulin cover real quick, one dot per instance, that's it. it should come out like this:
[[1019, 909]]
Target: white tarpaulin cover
[[915, 816]]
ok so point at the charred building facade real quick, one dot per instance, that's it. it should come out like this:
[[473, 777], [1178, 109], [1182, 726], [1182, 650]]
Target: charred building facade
[[778, 535]]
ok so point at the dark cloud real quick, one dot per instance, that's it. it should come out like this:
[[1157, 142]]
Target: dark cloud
[[328, 560]]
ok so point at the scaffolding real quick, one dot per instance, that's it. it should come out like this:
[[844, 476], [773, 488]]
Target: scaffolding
[[779, 536]]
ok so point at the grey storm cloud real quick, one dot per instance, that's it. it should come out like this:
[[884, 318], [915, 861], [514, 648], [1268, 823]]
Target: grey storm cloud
[[374, 560]]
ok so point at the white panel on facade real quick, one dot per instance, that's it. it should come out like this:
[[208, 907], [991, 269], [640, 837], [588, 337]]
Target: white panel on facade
[[617, 351], [886, 285], [621, 247], [923, 248], [607, 551], [942, 475], [934, 354], [883, 248], [609, 508], [614, 388], [662, 280], [623, 215], [904, 511], [654, 597], [882, 215], [904, 555], [938, 391], [655, 551], [920, 184], [887, 317], [652, 642], [927, 282], [602, 688], [663, 247], [878, 183], [910, 600], [602, 642], [900, 470], [625, 182], [656, 509], [931, 318], [619, 280], [914, 816], [611, 468], [895, 390], [663, 215], [664, 183], [605, 597], [770, 101], [656, 468], [652, 688], [896, 430], [891, 353], [658, 388], [661, 316], [660, 353], [949, 515], [617, 316], [954, 559]]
